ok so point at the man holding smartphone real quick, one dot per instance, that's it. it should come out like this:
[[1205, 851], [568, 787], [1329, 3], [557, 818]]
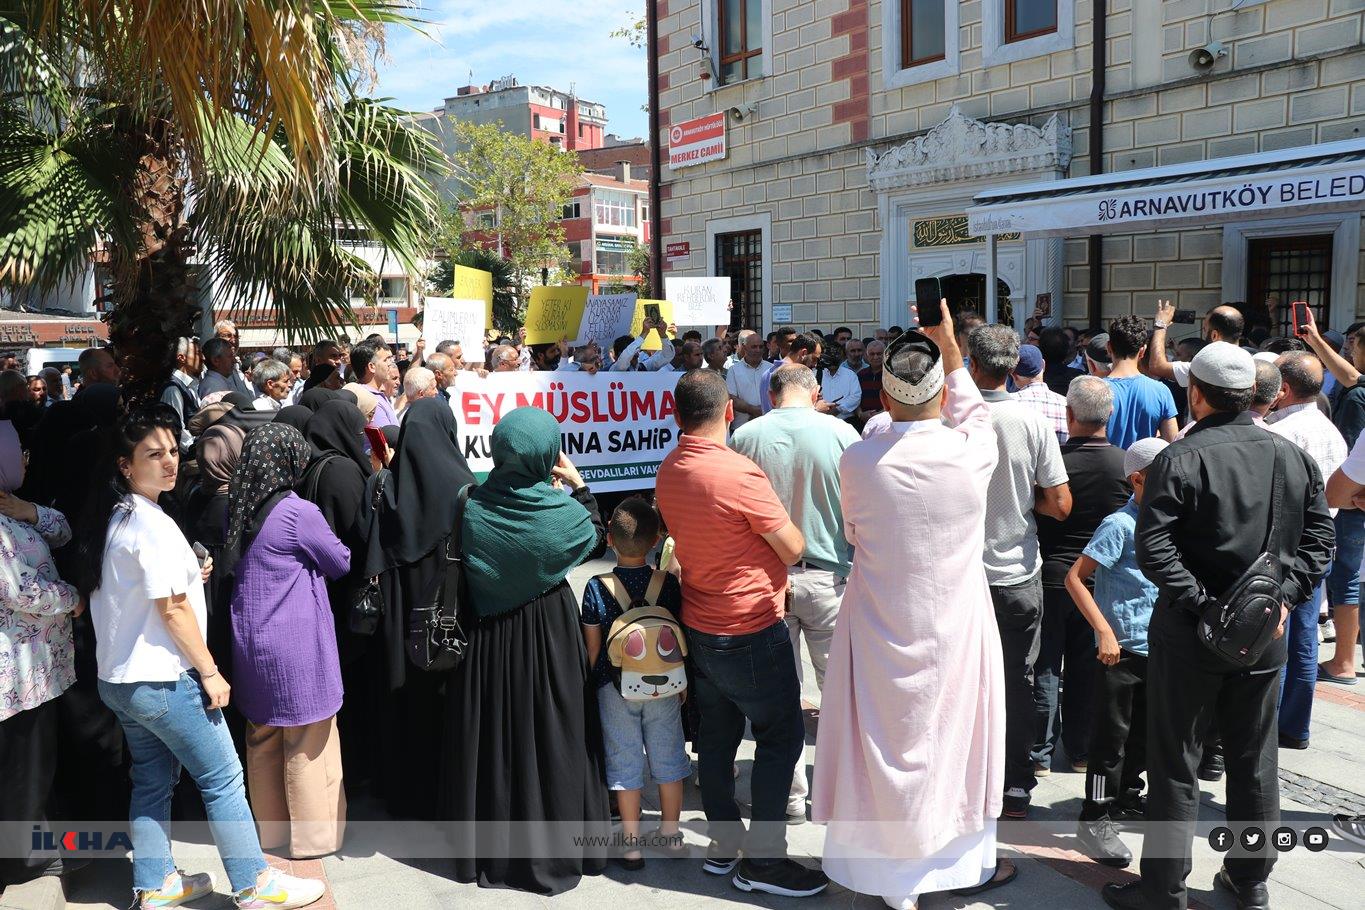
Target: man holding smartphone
[[1223, 323]]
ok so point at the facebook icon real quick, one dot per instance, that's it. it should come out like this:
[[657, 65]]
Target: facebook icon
[[1220, 839]]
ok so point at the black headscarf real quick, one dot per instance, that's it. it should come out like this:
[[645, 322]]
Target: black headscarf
[[240, 400], [339, 427], [296, 415], [318, 375], [315, 398], [417, 510], [274, 457]]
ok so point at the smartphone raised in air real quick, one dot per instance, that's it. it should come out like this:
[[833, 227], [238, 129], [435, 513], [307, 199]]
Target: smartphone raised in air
[[928, 293]]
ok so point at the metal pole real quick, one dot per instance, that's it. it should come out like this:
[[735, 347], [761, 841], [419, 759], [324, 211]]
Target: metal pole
[[992, 302], [656, 234]]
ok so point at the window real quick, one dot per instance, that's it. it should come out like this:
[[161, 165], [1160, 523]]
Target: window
[[1014, 30], [739, 23], [740, 256], [486, 221], [923, 36], [393, 290], [573, 210], [644, 214], [614, 211], [1281, 270], [1029, 19], [613, 256]]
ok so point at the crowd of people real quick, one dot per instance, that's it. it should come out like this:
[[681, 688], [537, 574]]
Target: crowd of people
[[999, 553]]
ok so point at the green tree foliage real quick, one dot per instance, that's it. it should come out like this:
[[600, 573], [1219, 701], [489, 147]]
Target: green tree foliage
[[524, 185]]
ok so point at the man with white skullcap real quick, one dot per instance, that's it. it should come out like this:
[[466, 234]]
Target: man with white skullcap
[[1205, 520], [909, 771]]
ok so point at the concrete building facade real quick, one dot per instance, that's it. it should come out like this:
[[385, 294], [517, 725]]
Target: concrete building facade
[[860, 131]]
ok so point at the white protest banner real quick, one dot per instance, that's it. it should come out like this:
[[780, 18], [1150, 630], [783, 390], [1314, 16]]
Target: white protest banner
[[605, 318], [616, 427], [699, 301], [444, 319]]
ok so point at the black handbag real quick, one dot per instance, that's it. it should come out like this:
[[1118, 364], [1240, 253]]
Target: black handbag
[[436, 640], [1239, 625]]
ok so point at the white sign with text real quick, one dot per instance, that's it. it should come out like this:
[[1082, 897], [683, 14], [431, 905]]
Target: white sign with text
[[445, 319], [699, 301], [606, 317]]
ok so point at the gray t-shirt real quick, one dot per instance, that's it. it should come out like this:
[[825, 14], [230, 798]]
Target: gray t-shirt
[[1029, 457]]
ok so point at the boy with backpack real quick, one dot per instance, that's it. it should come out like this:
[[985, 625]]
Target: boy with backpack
[[636, 647], [1119, 612]]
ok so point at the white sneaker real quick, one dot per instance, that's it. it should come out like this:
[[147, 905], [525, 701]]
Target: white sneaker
[[1329, 631], [281, 892]]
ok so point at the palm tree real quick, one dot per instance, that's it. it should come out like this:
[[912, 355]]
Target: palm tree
[[236, 132]]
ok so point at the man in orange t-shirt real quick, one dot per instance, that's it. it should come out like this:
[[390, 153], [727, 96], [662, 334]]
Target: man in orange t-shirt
[[734, 542]]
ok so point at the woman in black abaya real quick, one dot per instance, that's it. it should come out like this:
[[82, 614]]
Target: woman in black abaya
[[336, 482], [523, 784], [415, 514]]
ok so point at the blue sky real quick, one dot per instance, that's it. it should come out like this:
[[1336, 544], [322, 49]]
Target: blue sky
[[559, 43]]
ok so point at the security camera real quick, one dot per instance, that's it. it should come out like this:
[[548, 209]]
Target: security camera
[[1202, 58], [699, 43]]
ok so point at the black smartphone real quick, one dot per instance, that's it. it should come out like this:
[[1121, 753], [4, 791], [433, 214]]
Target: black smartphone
[[928, 293], [1184, 317], [652, 312]]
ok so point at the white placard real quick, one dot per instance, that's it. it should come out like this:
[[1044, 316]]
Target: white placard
[[444, 319], [699, 301], [605, 318]]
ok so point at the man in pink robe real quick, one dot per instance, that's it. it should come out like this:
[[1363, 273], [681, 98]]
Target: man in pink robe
[[909, 765]]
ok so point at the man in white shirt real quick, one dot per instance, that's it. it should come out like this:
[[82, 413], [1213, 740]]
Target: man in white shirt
[[748, 381], [625, 358], [840, 390], [1223, 323], [1298, 418]]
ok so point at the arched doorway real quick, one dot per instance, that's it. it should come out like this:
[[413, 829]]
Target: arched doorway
[[968, 292]]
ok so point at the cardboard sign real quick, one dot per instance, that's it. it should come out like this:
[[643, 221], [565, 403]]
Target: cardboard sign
[[652, 341], [699, 301], [555, 313], [617, 427], [445, 319], [606, 317], [475, 284]]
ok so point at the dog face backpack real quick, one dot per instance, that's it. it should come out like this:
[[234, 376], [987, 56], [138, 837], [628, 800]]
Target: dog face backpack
[[645, 646]]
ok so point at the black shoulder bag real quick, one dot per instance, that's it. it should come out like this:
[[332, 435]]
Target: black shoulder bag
[[436, 641], [1239, 625], [366, 603]]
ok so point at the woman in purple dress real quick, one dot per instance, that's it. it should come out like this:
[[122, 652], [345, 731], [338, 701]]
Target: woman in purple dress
[[281, 553]]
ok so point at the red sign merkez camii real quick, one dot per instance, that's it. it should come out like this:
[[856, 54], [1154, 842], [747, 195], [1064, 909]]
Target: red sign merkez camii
[[696, 141]]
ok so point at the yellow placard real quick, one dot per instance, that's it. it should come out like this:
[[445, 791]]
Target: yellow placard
[[555, 313], [475, 284], [652, 341]]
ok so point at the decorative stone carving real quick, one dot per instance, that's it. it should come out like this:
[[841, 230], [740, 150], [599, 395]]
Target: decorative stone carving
[[962, 148]]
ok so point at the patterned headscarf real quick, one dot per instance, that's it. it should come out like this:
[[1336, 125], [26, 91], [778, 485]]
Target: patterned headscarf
[[274, 458]]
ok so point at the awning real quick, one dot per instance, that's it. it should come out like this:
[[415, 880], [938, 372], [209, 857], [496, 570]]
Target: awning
[[1315, 178]]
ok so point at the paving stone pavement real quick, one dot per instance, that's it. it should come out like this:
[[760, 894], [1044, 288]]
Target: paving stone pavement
[[1315, 783]]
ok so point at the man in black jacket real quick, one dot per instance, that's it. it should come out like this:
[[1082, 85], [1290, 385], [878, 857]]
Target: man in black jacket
[[1205, 518]]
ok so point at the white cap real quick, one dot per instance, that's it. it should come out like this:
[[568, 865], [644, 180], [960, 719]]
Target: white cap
[[1224, 365], [1141, 454], [1267, 356]]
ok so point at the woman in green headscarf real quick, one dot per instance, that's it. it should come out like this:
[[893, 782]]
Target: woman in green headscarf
[[522, 731]]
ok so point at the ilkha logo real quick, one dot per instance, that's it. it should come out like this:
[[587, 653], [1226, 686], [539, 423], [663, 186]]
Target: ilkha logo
[[72, 841]]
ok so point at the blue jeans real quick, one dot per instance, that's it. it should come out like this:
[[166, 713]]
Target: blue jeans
[[1300, 674], [753, 677], [167, 725]]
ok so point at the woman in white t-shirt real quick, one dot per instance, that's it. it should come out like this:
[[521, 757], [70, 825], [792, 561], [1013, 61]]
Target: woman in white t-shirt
[[146, 591]]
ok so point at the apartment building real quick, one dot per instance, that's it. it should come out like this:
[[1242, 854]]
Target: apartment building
[[868, 143]]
